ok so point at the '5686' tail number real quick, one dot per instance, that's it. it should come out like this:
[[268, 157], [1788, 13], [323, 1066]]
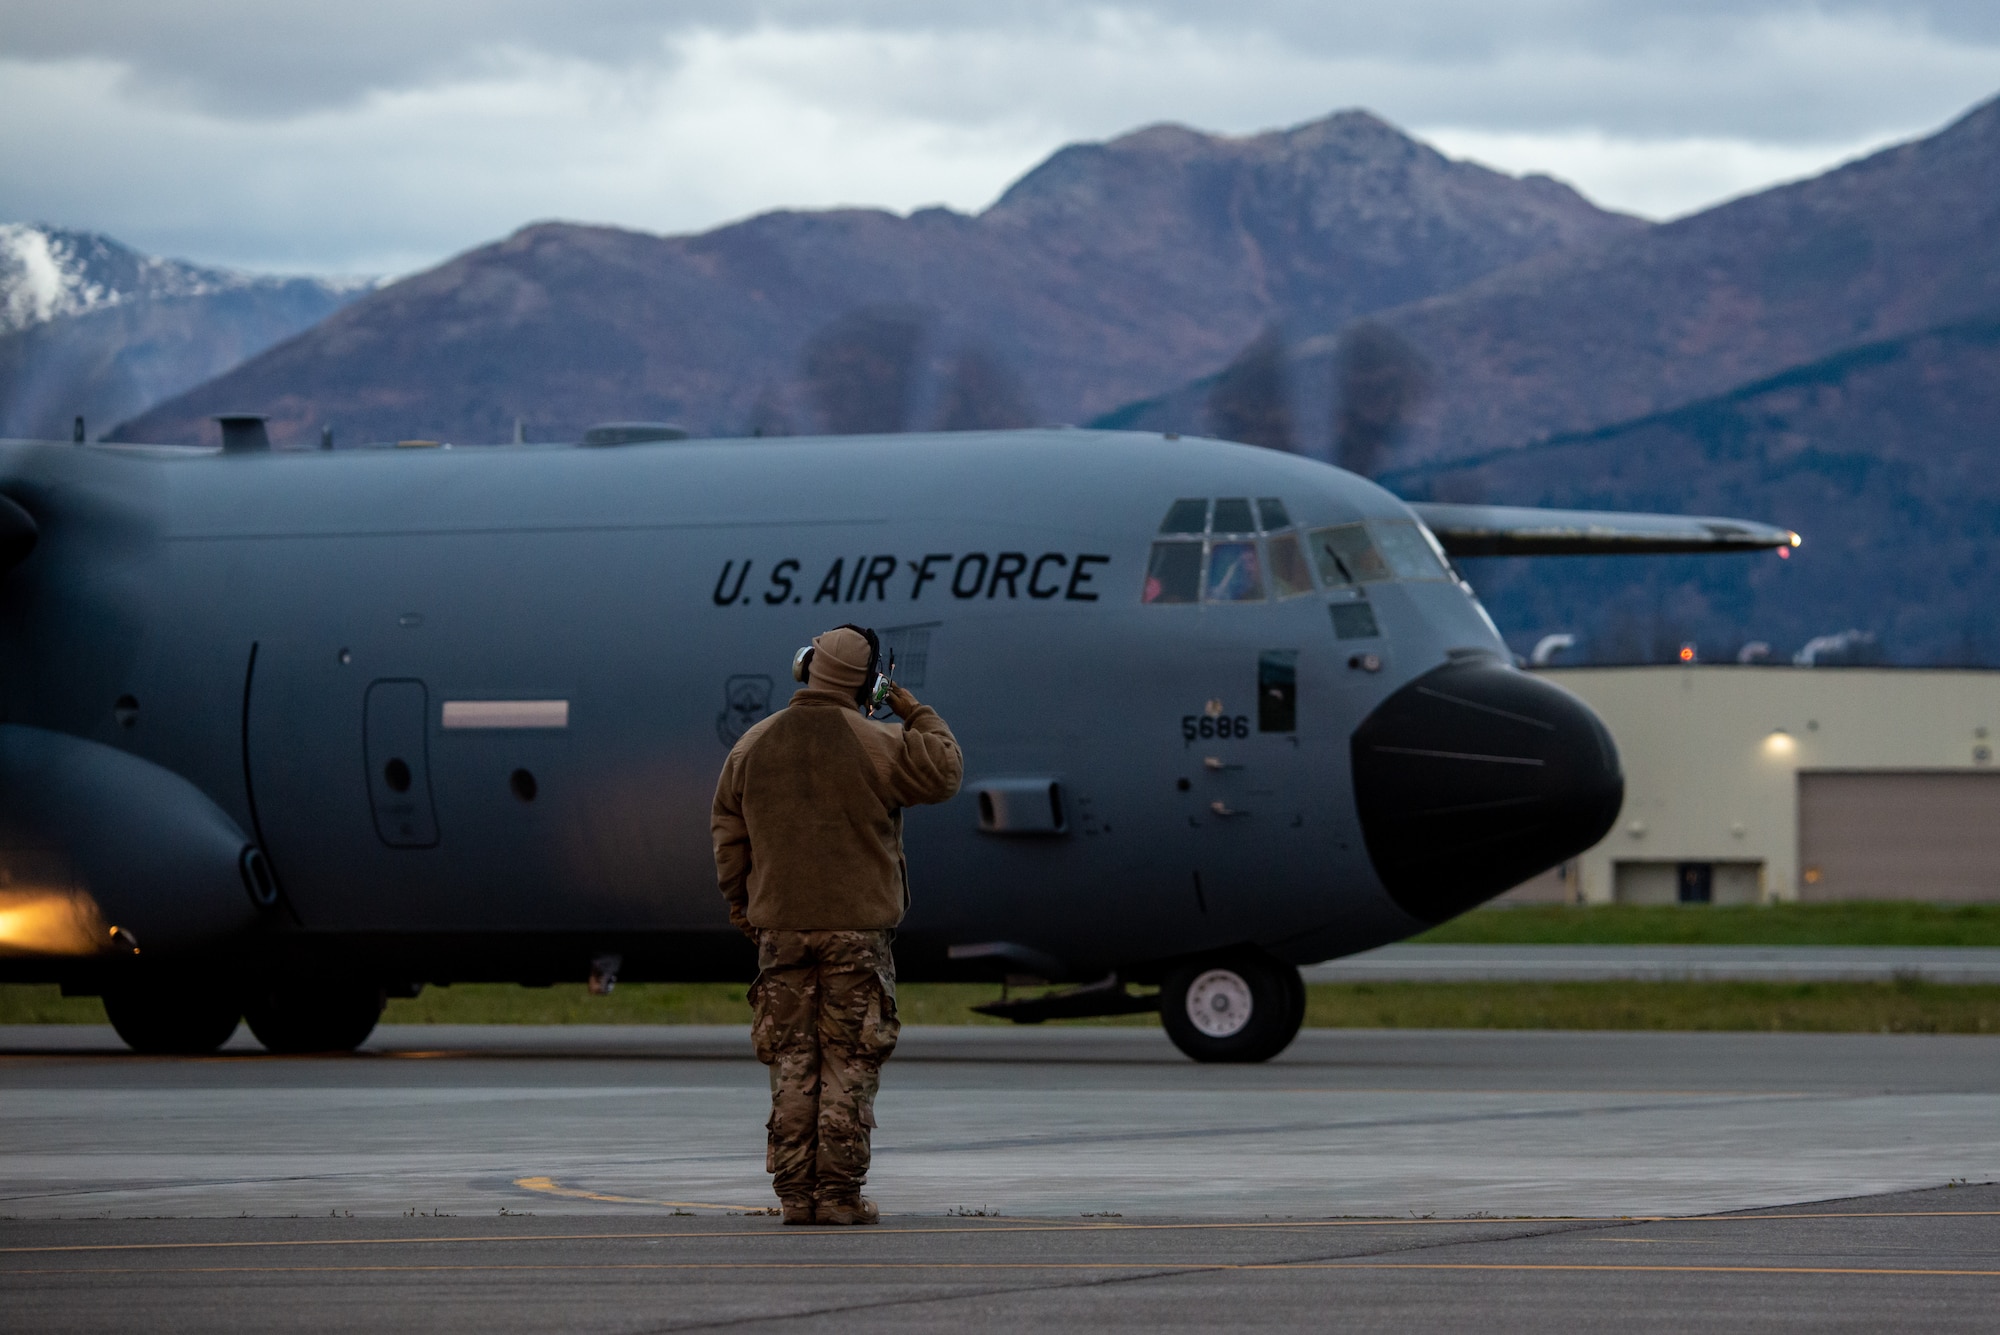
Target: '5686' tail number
[[1195, 726]]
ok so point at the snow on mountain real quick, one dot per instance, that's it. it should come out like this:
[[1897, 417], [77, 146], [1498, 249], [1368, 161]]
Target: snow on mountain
[[91, 328], [50, 272]]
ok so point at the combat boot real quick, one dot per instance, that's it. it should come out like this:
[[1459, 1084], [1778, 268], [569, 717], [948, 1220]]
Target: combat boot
[[799, 1211], [853, 1210]]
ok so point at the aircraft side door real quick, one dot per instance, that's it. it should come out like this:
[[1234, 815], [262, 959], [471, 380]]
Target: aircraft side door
[[342, 773]]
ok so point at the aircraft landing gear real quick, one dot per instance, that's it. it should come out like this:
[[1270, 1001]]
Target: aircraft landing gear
[[314, 1014], [1240, 1006], [162, 1017]]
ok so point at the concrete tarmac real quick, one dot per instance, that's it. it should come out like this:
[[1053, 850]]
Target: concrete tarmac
[[605, 1177]]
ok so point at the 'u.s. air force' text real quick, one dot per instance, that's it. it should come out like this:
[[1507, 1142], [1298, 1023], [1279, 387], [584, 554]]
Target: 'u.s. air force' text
[[887, 578]]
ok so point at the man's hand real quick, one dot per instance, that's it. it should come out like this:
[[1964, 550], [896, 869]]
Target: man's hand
[[901, 703]]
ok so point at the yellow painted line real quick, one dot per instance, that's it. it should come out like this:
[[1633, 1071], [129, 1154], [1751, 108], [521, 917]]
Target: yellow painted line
[[1167, 1267], [548, 1186], [998, 1225]]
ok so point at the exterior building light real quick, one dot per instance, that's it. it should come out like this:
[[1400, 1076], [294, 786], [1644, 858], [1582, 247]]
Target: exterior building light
[[1780, 744]]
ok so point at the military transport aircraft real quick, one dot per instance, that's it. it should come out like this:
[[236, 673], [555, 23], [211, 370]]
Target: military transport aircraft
[[287, 732]]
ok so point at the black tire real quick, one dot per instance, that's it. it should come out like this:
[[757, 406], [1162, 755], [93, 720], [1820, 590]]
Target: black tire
[[315, 1015], [1297, 987], [1239, 1006], [173, 1018]]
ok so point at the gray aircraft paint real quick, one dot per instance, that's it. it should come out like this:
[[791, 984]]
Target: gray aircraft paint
[[226, 618]]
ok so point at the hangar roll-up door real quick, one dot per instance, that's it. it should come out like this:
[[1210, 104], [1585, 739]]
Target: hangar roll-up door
[[1899, 835]]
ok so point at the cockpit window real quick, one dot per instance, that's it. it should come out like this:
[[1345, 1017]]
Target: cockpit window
[[1290, 576], [1235, 575], [1186, 516], [1232, 515], [1346, 555], [1173, 574], [1232, 565], [1407, 549]]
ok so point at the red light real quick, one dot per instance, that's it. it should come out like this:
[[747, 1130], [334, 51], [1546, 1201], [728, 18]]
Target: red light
[[1784, 553], [1687, 653]]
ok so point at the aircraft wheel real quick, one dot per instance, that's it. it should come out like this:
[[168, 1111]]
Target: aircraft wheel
[[1296, 986], [315, 1015], [1243, 1006], [161, 1018]]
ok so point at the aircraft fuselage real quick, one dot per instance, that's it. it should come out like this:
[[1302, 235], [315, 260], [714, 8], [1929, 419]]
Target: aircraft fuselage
[[469, 704]]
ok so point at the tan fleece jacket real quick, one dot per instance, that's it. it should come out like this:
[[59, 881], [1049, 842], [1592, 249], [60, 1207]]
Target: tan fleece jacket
[[808, 816]]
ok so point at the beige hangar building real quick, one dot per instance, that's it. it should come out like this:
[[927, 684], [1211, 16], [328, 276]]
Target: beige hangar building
[[1749, 784]]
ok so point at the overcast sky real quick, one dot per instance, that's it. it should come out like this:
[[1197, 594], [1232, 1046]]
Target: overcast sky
[[378, 136]]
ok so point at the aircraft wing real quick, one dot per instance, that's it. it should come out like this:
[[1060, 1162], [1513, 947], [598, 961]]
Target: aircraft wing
[[1512, 530]]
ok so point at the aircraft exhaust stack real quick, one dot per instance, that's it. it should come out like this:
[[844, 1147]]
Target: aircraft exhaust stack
[[243, 433]]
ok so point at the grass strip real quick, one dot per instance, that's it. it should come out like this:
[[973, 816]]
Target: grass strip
[[44, 1003], [1905, 1006], [568, 1003], [1848, 924]]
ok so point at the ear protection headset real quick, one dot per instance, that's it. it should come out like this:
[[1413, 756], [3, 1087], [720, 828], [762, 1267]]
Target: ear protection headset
[[876, 684]]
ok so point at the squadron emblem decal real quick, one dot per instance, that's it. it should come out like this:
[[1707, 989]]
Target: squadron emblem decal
[[745, 699]]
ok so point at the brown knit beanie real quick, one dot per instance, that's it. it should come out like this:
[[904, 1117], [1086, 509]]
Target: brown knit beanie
[[840, 660]]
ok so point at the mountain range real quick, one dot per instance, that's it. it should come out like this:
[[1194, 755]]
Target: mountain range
[[1901, 241], [1824, 354], [1103, 274], [92, 328]]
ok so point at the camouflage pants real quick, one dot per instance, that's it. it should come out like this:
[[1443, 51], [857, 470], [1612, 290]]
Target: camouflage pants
[[823, 1019]]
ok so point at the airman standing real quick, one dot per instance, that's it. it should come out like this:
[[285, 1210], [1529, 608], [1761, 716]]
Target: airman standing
[[808, 831]]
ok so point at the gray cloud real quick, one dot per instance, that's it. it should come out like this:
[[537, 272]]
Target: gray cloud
[[378, 134], [251, 59], [248, 59]]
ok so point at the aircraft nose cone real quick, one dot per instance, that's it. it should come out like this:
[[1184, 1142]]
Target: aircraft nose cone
[[1475, 777]]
